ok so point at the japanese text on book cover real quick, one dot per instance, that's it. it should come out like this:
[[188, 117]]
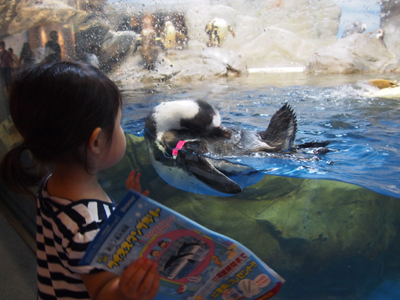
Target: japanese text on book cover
[[194, 262]]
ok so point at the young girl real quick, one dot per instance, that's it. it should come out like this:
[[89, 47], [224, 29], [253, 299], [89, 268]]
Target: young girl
[[69, 116]]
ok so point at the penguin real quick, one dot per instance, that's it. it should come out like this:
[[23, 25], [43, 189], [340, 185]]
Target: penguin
[[380, 33], [182, 39], [377, 34], [135, 24], [356, 27], [217, 31], [149, 44], [168, 35], [187, 145]]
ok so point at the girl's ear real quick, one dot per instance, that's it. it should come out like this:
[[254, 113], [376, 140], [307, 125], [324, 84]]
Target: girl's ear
[[95, 141]]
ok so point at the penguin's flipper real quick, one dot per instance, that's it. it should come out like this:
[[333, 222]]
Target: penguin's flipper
[[204, 171], [281, 130]]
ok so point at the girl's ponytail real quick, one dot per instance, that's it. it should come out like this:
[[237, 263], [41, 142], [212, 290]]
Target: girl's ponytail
[[19, 172]]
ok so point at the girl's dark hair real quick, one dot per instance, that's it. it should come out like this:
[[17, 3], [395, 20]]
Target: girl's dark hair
[[56, 107]]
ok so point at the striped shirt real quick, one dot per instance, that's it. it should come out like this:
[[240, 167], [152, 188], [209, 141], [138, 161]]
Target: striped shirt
[[64, 231]]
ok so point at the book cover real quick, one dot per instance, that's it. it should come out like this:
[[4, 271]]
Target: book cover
[[195, 263]]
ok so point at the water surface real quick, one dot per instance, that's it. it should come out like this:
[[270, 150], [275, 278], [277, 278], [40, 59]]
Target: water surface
[[363, 133]]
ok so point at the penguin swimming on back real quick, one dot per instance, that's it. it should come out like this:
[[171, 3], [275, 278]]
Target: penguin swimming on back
[[187, 145]]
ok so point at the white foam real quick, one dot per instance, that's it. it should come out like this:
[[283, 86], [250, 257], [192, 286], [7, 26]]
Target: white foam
[[384, 93]]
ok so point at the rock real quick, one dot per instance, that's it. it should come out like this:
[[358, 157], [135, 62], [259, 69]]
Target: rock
[[95, 34], [355, 53], [316, 20], [277, 47], [267, 34], [28, 14], [257, 42], [361, 53], [85, 21], [7, 12], [194, 64], [116, 45], [229, 59], [92, 5], [265, 37], [89, 37], [390, 22]]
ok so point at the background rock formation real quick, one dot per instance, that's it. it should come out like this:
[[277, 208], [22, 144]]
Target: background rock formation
[[362, 52], [390, 23], [354, 54], [269, 34]]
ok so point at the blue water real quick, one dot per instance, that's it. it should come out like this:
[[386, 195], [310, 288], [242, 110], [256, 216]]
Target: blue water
[[387, 290], [364, 133]]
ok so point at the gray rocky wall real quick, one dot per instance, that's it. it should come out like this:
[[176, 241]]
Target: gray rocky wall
[[390, 23], [269, 34]]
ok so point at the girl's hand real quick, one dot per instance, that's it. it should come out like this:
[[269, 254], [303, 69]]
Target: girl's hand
[[133, 182], [140, 281]]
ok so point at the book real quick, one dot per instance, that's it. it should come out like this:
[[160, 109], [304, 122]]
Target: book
[[195, 263]]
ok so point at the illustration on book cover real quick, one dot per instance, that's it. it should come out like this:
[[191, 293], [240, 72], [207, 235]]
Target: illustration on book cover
[[194, 262]]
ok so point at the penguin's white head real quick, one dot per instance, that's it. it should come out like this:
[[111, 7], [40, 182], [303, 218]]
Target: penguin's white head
[[379, 33], [177, 115]]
